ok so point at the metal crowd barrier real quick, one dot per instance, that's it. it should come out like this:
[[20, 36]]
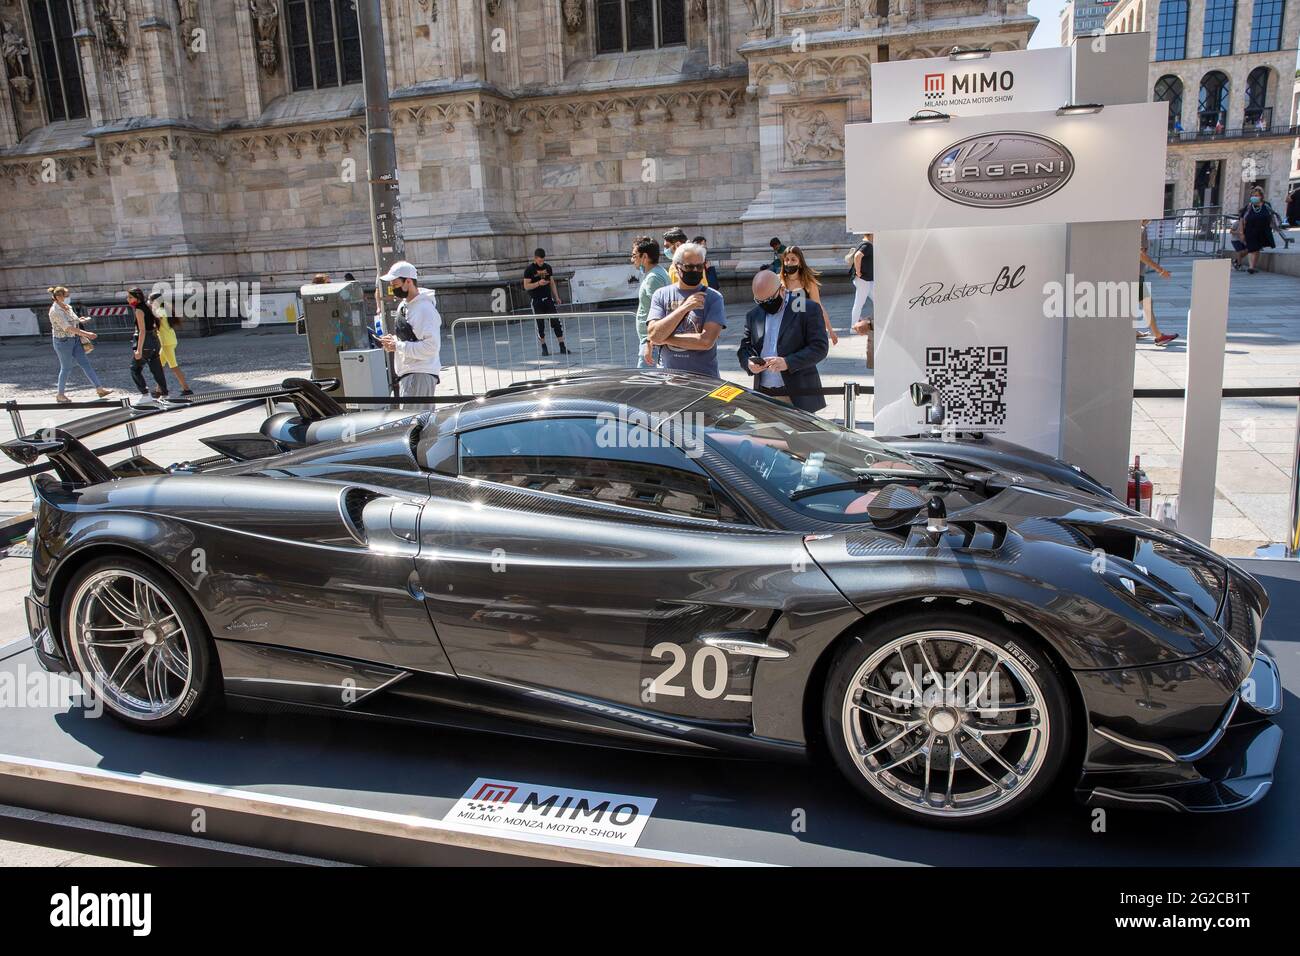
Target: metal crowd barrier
[[495, 351]]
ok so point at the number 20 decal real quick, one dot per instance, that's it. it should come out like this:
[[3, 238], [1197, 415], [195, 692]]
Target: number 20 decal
[[708, 678]]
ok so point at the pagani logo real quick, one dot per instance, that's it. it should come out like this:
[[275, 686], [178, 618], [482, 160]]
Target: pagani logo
[[999, 170]]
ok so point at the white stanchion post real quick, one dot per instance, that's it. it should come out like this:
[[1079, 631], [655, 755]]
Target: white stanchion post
[[1207, 332]]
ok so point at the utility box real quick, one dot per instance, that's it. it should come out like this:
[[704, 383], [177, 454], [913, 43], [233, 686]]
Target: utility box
[[364, 372], [335, 318]]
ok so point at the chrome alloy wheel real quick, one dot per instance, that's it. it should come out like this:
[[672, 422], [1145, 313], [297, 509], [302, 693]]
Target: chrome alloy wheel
[[946, 723], [129, 642]]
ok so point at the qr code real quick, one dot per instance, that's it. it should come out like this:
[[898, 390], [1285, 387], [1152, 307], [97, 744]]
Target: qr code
[[973, 382]]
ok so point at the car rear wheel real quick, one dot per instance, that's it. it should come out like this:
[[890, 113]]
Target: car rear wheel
[[138, 643], [947, 718]]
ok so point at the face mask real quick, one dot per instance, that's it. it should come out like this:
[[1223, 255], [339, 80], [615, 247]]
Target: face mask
[[773, 305], [1255, 200], [397, 292], [691, 275], [789, 270]]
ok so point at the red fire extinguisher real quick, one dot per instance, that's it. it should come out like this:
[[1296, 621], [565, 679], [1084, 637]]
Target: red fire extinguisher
[[1139, 488]]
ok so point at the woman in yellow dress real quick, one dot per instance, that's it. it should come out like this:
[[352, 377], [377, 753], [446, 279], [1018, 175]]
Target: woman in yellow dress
[[167, 327]]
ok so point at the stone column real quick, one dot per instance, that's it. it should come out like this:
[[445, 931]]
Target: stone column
[[247, 60], [158, 66]]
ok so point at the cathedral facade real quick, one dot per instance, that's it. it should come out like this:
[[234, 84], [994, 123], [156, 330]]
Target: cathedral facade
[[225, 139]]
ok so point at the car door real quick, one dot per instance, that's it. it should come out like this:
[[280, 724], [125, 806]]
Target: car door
[[601, 568]]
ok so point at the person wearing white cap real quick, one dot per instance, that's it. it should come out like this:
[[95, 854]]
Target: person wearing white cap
[[417, 336]]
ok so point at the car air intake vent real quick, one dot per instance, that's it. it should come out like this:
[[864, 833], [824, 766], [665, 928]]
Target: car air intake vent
[[352, 505]]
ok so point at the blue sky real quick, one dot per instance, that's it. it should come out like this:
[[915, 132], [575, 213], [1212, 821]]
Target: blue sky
[[1048, 31]]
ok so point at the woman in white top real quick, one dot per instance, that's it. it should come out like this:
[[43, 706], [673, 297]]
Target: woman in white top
[[68, 335]]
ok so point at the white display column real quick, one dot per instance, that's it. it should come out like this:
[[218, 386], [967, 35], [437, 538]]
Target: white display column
[[1096, 427]]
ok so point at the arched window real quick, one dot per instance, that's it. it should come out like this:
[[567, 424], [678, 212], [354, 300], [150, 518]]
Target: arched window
[[1219, 17], [1171, 30], [1257, 111], [626, 25], [53, 24], [1266, 26], [324, 43], [1169, 89], [1214, 101]]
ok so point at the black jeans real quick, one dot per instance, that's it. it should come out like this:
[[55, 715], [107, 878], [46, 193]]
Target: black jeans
[[148, 356], [547, 307]]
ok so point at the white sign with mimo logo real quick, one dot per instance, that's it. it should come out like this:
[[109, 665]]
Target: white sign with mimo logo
[[999, 83], [537, 810]]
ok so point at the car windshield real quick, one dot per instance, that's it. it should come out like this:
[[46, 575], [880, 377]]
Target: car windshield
[[786, 450]]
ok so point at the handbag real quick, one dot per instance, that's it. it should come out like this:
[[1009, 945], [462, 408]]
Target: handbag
[[88, 346]]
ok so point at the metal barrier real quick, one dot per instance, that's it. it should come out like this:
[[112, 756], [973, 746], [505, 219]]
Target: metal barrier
[[494, 351], [849, 392], [1193, 232]]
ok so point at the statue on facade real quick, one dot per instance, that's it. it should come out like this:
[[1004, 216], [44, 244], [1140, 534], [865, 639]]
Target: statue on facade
[[699, 9], [492, 7], [761, 13], [112, 19], [266, 23], [188, 11], [13, 47], [574, 12], [814, 139]]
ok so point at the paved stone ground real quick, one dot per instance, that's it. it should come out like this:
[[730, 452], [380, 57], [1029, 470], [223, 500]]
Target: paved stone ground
[[1256, 437]]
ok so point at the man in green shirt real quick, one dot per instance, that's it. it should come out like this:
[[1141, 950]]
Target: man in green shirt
[[645, 256]]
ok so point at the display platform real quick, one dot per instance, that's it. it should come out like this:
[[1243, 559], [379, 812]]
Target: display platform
[[366, 792]]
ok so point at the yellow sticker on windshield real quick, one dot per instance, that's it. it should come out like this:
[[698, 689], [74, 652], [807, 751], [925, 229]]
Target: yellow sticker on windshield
[[725, 393]]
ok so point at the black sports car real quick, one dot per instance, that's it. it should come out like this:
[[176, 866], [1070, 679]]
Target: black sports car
[[653, 559]]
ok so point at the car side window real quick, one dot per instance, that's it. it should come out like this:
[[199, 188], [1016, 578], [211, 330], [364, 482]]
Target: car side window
[[594, 459]]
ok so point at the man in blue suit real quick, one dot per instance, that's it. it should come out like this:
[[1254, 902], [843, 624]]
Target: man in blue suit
[[785, 338]]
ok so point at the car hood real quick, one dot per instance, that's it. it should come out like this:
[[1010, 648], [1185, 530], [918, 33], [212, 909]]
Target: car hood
[[1074, 541]]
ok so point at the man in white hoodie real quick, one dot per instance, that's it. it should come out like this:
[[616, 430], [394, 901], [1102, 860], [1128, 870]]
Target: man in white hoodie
[[417, 336]]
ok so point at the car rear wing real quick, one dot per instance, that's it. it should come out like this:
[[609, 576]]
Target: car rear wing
[[73, 461]]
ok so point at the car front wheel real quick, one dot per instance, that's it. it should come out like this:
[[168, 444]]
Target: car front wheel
[[946, 718]]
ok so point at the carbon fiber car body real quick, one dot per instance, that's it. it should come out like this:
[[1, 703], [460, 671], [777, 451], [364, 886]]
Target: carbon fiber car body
[[342, 562]]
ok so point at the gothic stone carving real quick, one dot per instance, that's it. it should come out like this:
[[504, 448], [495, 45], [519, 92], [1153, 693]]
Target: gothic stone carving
[[17, 55], [112, 19], [760, 11], [188, 12], [574, 14], [812, 137], [266, 23]]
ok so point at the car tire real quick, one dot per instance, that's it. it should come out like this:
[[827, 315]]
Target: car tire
[[924, 740], [139, 644]]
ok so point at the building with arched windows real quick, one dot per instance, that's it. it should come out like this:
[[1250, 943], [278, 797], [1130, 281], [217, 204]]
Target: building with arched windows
[[225, 138], [1226, 68]]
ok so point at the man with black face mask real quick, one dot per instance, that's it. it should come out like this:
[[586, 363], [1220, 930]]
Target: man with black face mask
[[417, 335], [687, 317], [785, 337]]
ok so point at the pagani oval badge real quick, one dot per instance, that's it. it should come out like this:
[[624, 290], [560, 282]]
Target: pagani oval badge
[[999, 170]]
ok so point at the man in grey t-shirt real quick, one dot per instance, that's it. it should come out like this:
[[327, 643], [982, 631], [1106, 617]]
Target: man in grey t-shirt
[[686, 318]]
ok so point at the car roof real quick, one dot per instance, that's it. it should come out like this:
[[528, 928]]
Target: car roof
[[617, 391]]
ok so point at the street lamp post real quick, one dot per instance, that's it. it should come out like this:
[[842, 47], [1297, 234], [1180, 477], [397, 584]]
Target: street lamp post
[[381, 153]]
